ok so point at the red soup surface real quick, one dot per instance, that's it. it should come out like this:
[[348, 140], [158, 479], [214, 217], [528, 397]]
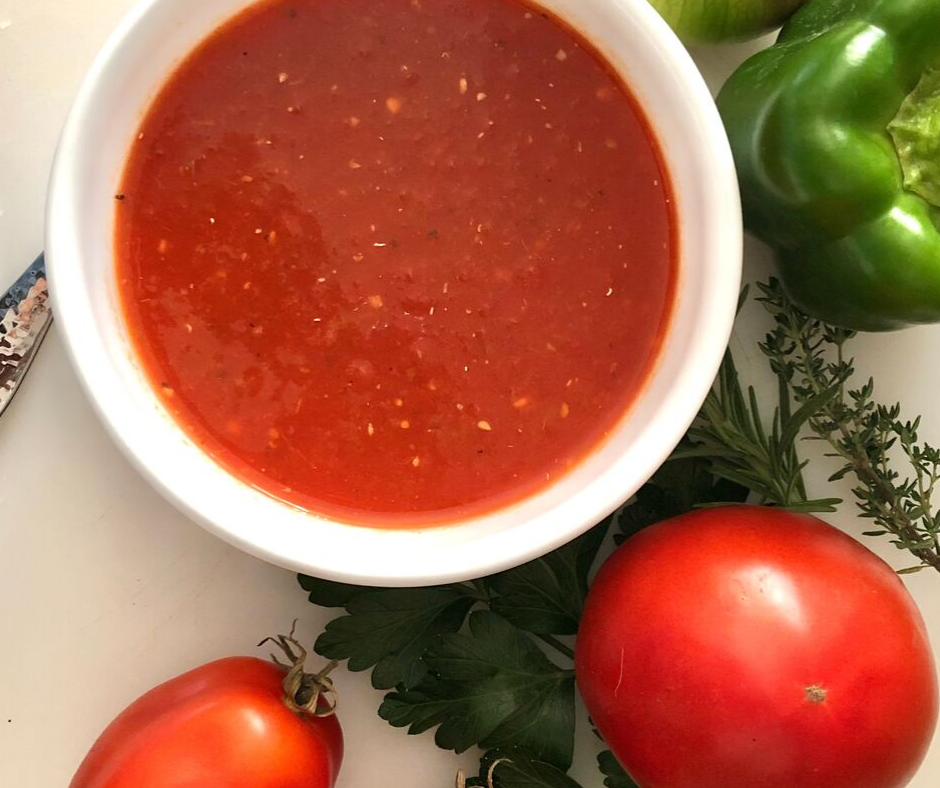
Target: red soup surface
[[396, 261]]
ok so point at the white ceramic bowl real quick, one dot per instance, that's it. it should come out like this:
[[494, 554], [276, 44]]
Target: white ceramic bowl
[[88, 166]]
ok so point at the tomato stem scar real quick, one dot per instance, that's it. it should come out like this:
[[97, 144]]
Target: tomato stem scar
[[310, 694], [816, 693]]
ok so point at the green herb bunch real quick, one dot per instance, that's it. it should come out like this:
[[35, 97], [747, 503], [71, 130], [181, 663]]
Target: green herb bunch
[[489, 663], [480, 662], [817, 401], [808, 356]]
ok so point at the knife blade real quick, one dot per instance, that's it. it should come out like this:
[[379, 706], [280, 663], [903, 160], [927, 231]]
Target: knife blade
[[25, 317]]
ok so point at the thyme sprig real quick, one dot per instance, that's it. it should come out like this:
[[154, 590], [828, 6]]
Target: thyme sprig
[[863, 434]]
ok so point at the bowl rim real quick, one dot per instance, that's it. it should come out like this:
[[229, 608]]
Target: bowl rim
[[75, 314]]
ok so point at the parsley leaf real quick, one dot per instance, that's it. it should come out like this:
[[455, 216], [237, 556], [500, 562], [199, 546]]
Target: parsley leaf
[[389, 629], [614, 774], [546, 596], [677, 487], [514, 769], [326, 593], [493, 688]]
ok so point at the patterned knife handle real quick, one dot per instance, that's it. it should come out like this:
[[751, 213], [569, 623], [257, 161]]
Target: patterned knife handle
[[25, 318]]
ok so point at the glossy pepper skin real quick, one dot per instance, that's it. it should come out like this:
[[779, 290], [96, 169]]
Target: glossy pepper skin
[[820, 177]]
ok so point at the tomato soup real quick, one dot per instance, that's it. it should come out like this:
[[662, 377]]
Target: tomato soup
[[396, 261]]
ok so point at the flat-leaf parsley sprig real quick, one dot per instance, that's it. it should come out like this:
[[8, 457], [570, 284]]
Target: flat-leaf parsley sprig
[[471, 659]]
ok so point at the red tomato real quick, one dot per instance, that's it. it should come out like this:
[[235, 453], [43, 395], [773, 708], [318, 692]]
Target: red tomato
[[224, 725], [749, 647]]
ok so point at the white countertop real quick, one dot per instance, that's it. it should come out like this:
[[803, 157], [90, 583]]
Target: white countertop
[[105, 589]]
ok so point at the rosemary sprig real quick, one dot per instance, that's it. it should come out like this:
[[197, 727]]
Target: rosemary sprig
[[809, 356], [730, 433]]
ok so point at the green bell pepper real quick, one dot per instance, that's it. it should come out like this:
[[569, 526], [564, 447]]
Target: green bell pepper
[[836, 136]]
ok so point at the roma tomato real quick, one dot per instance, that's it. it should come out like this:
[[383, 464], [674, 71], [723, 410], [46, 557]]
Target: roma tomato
[[223, 725], [750, 647]]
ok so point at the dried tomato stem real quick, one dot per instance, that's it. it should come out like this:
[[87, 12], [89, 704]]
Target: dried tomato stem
[[308, 694]]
